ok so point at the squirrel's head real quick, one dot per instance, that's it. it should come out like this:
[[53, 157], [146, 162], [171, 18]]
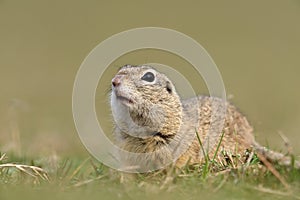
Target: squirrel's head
[[145, 101]]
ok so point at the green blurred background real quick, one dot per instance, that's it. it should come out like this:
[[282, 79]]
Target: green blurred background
[[255, 44]]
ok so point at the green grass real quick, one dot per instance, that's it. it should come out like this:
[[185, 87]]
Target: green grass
[[76, 178], [225, 175]]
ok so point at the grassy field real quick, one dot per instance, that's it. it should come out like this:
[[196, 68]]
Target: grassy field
[[226, 175], [77, 178], [255, 45]]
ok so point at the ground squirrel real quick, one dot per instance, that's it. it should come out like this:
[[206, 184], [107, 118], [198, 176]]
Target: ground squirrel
[[149, 116]]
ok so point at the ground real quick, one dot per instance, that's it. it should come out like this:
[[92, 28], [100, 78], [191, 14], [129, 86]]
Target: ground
[[77, 178]]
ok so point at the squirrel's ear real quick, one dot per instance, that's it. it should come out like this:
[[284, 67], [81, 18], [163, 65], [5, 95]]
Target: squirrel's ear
[[169, 87]]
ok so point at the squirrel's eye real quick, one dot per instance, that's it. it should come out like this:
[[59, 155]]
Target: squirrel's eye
[[149, 77]]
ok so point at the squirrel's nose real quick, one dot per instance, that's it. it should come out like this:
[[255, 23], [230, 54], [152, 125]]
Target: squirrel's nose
[[116, 81]]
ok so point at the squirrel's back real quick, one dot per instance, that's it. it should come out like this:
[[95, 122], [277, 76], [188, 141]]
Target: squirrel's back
[[151, 119]]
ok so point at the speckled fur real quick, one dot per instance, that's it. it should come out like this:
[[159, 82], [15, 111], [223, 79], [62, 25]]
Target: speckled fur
[[157, 108]]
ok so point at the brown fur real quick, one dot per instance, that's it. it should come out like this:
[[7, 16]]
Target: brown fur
[[164, 118]]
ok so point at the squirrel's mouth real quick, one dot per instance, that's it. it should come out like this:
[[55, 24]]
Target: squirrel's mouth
[[124, 99]]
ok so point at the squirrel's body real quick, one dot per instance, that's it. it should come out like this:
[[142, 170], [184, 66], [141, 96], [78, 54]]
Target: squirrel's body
[[151, 119]]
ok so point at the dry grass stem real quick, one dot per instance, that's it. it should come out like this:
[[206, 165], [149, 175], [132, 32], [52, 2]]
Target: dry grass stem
[[28, 169], [273, 171]]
